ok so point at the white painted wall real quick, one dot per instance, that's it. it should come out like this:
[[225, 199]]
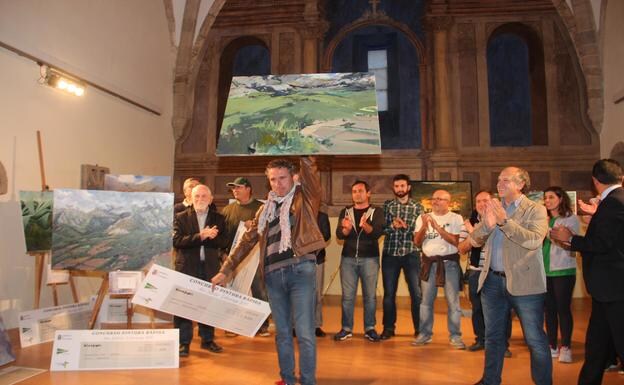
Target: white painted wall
[[123, 45], [613, 67]]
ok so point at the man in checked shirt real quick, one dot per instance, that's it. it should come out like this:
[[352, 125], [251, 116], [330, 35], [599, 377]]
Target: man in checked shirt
[[399, 253]]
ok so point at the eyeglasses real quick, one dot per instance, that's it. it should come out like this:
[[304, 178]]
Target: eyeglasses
[[440, 199]]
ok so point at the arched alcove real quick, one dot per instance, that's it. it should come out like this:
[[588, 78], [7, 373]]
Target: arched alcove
[[516, 87]]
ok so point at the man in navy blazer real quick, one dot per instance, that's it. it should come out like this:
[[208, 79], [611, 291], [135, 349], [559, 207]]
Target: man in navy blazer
[[198, 234], [602, 249]]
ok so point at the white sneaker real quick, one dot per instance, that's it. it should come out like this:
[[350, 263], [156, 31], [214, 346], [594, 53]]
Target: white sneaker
[[565, 354], [421, 340], [457, 343], [554, 353]]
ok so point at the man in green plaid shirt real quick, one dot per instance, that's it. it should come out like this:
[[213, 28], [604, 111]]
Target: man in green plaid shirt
[[399, 252]]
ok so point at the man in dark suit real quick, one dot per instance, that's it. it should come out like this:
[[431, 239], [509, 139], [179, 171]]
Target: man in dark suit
[[198, 233], [602, 249]]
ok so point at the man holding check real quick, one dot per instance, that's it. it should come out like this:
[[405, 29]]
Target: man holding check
[[287, 231]]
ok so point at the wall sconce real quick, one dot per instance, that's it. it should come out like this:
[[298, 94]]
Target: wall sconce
[[56, 79]]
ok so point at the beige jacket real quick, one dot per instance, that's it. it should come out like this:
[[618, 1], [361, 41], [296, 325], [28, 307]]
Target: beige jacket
[[523, 233]]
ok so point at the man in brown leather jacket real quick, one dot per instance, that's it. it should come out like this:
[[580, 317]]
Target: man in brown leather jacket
[[287, 231]]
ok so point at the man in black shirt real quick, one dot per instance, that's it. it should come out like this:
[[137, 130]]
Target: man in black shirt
[[360, 226]]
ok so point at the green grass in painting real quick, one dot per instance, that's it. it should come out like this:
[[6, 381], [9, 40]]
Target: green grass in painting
[[268, 124]]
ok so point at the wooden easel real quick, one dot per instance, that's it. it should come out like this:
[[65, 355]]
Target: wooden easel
[[39, 266], [40, 255], [98, 301]]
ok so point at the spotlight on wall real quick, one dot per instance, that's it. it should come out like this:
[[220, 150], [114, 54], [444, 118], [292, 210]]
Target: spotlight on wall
[[56, 79]]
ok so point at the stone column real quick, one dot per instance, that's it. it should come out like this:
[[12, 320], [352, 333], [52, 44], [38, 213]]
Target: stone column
[[310, 55], [312, 31], [443, 132]]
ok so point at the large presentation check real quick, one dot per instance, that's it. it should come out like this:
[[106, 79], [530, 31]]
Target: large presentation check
[[115, 349], [38, 326], [188, 297]]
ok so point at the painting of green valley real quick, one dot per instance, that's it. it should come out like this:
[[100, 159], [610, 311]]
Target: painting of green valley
[[37, 219], [110, 230], [333, 114]]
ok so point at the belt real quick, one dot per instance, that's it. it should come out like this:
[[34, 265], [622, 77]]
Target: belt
[[499, 273]]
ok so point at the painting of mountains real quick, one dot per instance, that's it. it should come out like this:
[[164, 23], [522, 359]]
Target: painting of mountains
[[137, 183], [37, 219], [110, 230], [301, 115]]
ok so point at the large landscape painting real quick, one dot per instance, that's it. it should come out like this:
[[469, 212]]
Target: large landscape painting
[[37, 219], [110, 230], [301, 114]]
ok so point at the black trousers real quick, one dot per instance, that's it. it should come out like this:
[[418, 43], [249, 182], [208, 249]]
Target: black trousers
[[605, 331], [558, 313]]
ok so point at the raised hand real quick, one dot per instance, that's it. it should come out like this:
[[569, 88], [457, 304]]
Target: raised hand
[[589, 208]]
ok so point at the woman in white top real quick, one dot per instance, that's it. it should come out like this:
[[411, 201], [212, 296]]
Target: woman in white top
[[560, 266]]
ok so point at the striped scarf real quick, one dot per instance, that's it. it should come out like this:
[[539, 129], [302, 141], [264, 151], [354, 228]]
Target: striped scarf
[[268, 215]]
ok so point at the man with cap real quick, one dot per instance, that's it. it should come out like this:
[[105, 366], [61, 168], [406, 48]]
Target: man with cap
[[243, 209]]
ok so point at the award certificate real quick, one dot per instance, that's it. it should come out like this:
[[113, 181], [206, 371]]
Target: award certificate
[[188, 297]]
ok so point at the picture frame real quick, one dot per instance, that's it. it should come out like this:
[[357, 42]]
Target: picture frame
[[461, 194]]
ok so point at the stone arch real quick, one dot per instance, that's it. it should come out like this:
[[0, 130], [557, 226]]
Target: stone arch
[[190, 54], [536, 74], [583, 32], [366, 22]]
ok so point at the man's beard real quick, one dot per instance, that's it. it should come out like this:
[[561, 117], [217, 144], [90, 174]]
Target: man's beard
[[401, 194]]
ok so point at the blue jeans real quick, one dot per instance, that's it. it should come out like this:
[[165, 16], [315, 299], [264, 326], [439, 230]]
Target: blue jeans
[[292, 292], [452, 273], [391, 266], [366, 269], [497, 302]]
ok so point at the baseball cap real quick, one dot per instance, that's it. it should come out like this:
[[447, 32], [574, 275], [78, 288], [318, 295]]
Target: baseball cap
[[240, 181]]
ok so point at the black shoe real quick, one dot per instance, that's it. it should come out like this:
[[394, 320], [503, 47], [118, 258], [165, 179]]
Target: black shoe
[[508, 353], [211, 346], [476, 347], [184, 350], [319, 332], [372, 335], [386, 334], [294, 334], [342, 335]]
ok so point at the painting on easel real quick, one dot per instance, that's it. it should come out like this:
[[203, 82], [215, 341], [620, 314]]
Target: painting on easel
[[110, 230], [37, 219]]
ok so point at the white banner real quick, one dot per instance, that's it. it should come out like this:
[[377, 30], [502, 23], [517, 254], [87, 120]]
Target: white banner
[[115, 349], [39, 325], [188, 297]]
